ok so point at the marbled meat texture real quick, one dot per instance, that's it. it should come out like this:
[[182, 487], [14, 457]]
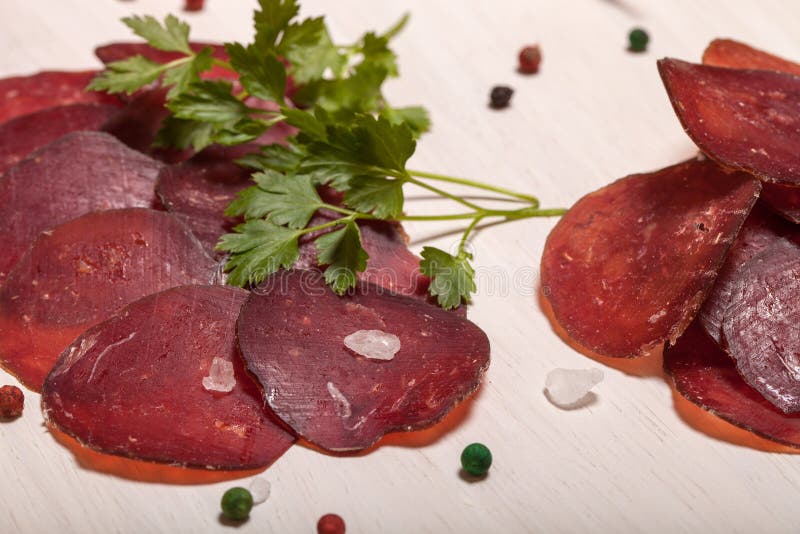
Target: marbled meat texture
[[22, 135], [198, 190], [761, 230], [81, 272], [21, 95], [784, 199], [707, 377], [629, 266], [291, 333], [761, 328], [74, 175], [133, 385], [746, 120]]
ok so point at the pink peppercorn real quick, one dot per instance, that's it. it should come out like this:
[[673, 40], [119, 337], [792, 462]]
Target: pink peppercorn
[[530, 58], [193, 5], [330, 524], [11, 402]]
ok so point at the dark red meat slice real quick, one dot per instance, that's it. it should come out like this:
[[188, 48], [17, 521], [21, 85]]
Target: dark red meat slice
[[21, 95], [82, 271], [119, 51], [391, 265], [629, 266], [291, 332], [133, 385], [761, 230], [198, 191], [706, 376], [727, 53], [745, 119], [22, 135], [139, 121], [736, 55], [76, 174], [784, 200], [761, 328]]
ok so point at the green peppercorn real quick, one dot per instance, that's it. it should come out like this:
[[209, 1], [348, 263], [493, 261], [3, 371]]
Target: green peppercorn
[[237, 503], [476, 459], [638, 40]]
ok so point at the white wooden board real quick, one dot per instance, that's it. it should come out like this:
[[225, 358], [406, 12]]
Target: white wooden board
[[627, 463]]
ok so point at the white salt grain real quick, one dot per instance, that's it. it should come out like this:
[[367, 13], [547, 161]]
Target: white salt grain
[[260, 489], [220, 376], [374, 344], [568, 387]]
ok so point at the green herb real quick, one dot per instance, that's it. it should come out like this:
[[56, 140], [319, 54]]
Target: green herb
[[350, 138]]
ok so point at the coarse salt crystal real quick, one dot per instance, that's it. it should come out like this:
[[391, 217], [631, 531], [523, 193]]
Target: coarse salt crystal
[[220, 376], [568, 387], [260, 489], [373, 344]]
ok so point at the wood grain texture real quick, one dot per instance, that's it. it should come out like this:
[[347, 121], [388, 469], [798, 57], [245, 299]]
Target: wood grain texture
[[631, 461]]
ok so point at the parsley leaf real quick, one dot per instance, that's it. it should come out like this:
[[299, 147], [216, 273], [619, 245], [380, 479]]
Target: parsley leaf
[[310, 51], [376, 52], [277, 157], [383, 144], [452, 277], [209, 101], [383, 197], [173, 36], [262, 75], [361, 91], [416, 117], [184, 133], [342, 252], [272, 19], [287, 200], [259, 248], [127, 75], [341, 150], [181, 76]]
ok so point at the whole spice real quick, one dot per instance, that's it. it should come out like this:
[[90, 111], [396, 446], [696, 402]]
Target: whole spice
[[476, 459], [530, 57], [637, 40], [193, 5], [12, 401], [236, 504], [500, 97], [330, 524]]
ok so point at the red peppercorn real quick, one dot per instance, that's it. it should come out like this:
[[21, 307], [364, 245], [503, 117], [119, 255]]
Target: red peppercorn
[[193, 5], [530, 58], [11, 402], [330, 524]]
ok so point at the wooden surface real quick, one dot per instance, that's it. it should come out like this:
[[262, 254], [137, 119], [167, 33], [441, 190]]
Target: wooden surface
[[635, 460]]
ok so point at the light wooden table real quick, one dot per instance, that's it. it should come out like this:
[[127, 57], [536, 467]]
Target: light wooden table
[[630, 462]]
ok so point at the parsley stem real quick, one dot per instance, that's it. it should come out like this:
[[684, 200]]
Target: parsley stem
[[445, 194], [337, 222], [224, 64], [508, 215], [463, 243], [344, 211], [478, 185]]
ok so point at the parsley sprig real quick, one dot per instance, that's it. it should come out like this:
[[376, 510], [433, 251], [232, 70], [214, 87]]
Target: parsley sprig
[[349, 138]]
